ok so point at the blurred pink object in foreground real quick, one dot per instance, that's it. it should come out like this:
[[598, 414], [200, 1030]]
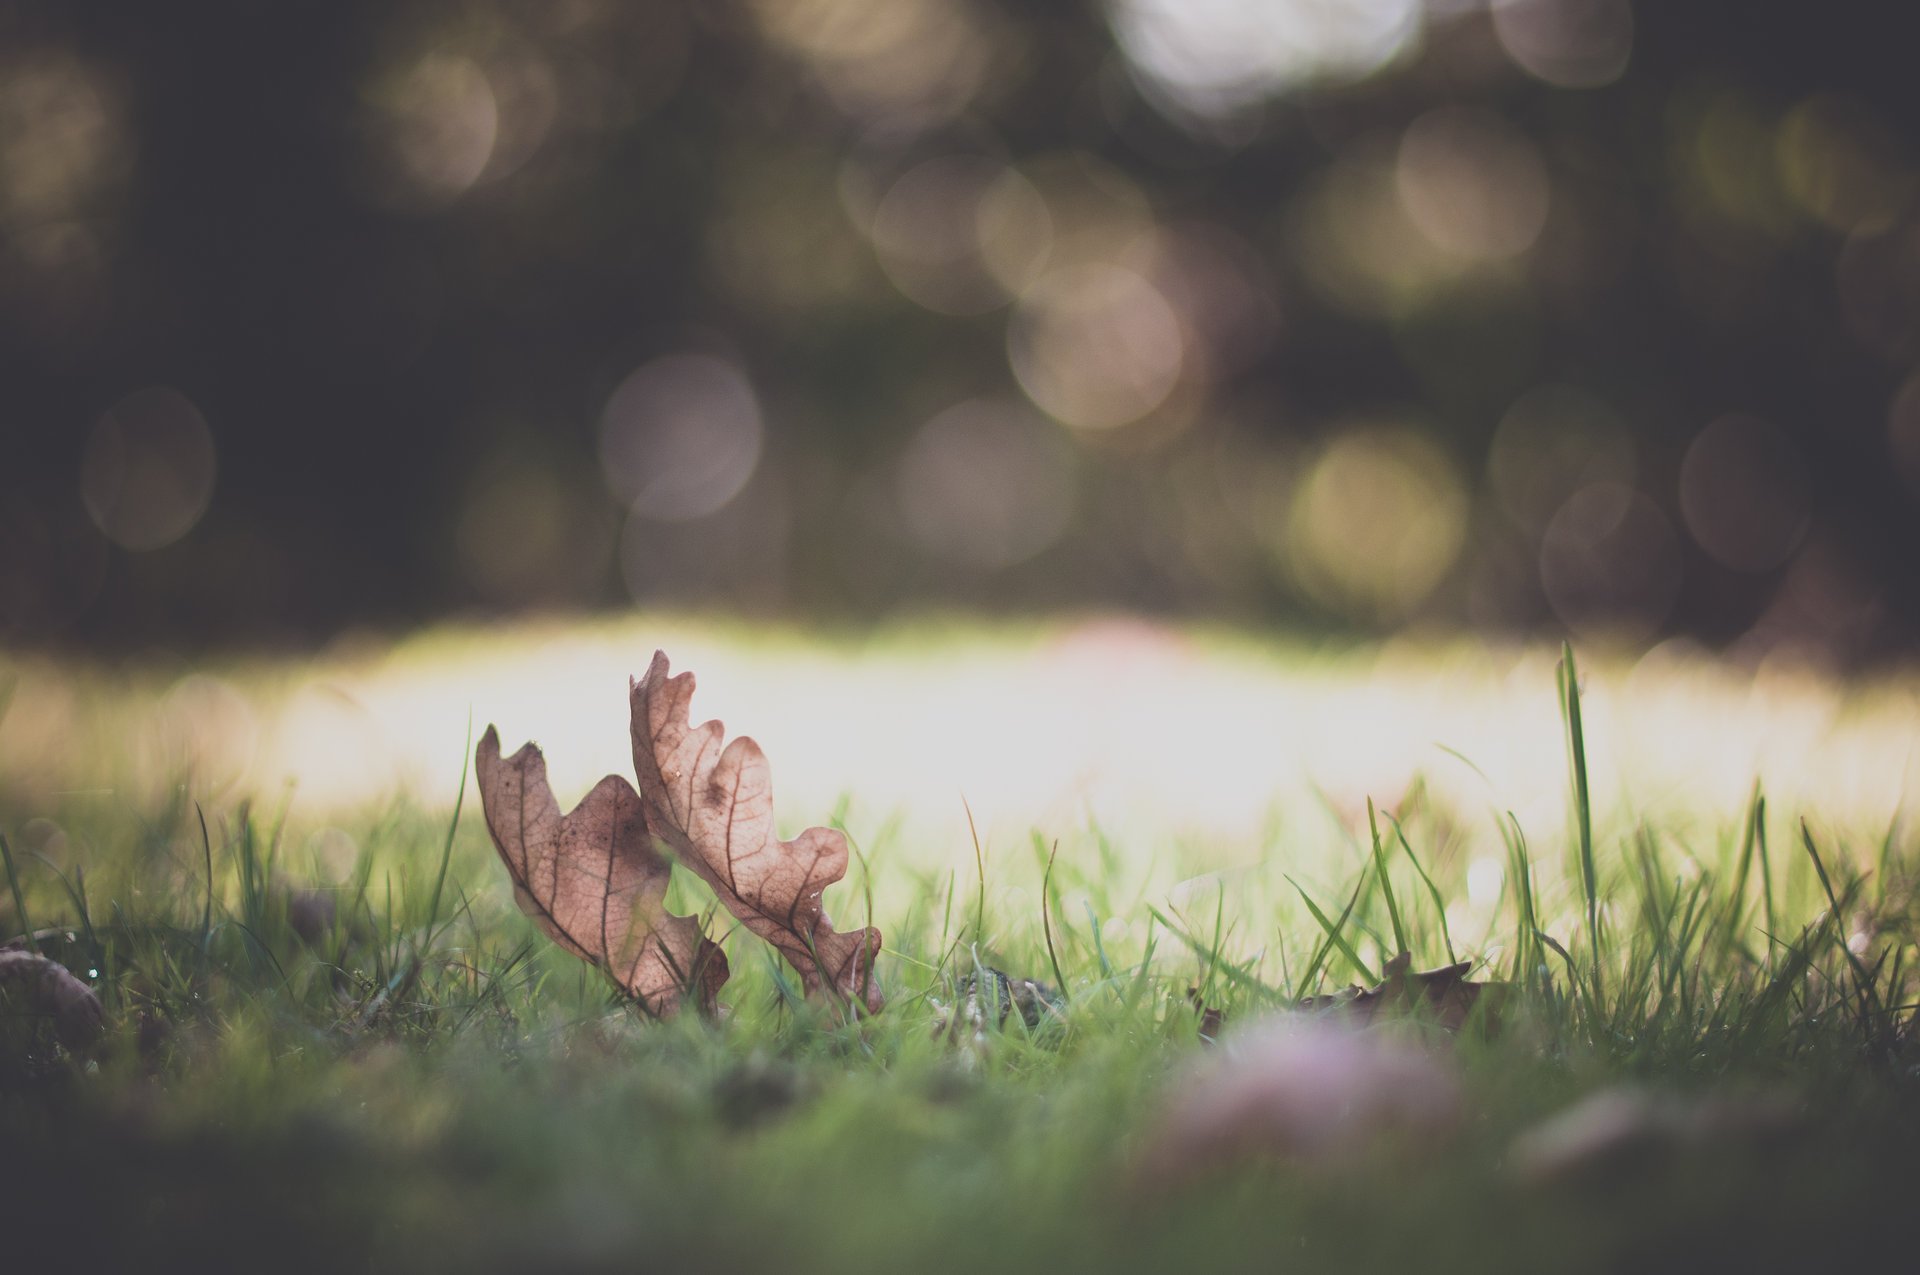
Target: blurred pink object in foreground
[[1304, 1089]]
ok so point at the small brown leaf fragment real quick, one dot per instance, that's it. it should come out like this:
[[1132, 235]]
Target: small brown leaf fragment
[[593, 881], [713, 807], [36, 987], [1446, 995], [1038, 1004], [1212, 1017]]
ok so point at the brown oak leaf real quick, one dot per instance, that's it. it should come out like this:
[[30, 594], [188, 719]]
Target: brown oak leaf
[[713, 806], [594, 882], [1446, 994]]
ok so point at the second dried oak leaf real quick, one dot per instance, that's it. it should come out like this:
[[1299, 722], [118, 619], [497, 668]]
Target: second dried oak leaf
[[1446, 994], [713, 806], [594, 882]]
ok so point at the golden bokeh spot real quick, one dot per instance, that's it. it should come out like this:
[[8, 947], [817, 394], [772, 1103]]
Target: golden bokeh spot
[[1472, 183], [906, 64], [1843, 166], [1377, 522], [1096, 346]]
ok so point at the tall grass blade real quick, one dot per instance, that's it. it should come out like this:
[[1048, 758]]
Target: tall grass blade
[[1737, 895], [1099, 948], [1386, 884], [1046, 920], [1333, 930], [206, 917], [19, 901], [1869, 998], [1568, 677], [980, 873], [1766, 872], [453, 826], [1520, 877], [1433, 891]]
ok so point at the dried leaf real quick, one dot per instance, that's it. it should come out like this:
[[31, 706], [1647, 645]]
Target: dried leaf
[[1446, 994], [593, 880], [41, 988], [714, 808], [1213, 1019]]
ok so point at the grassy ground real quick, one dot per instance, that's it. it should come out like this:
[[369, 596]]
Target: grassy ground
[[336, 1043]]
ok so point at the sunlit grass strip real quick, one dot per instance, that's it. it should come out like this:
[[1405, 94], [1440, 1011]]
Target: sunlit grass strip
[[194, 912]]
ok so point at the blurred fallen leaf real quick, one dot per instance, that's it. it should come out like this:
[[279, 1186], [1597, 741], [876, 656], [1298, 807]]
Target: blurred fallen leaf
[[1619, 1132], [1318, 1092], [31, 986], [593, 881], [1614, 1130], [1446, 995], [714, 809]]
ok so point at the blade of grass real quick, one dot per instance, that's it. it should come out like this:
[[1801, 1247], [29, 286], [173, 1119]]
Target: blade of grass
[[980, 871], [19, 901], [1869, 998], [1320, 953], [1333, 929], [1386, 882], [1766, 873], [1520, 876], [1046, 920], [1142, 972], [1210, 956], [206, 843], [1099, 948], [1433, 891], [76, 894], [1737, 894], [1568, 677], [453, 826]]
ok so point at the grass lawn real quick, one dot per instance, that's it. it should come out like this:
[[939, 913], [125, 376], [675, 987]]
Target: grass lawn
[[330, 1041]]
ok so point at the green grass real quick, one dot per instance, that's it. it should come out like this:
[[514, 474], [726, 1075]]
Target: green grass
[[409, 1075]]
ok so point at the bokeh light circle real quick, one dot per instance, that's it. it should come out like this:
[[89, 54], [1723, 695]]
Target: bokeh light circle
[[1903, 433], [1472, 183], [986, 484], [681, 436], [1377, 522], [1843, 165], [1095, 346], [1610, 564], [1215, 57], [1742, 494], [944, 226], [147, 474], [1571, 44], [1553, 441], [432, 126]]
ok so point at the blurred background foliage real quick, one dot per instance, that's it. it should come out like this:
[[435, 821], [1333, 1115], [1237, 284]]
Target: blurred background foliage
[[1508, 315]]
